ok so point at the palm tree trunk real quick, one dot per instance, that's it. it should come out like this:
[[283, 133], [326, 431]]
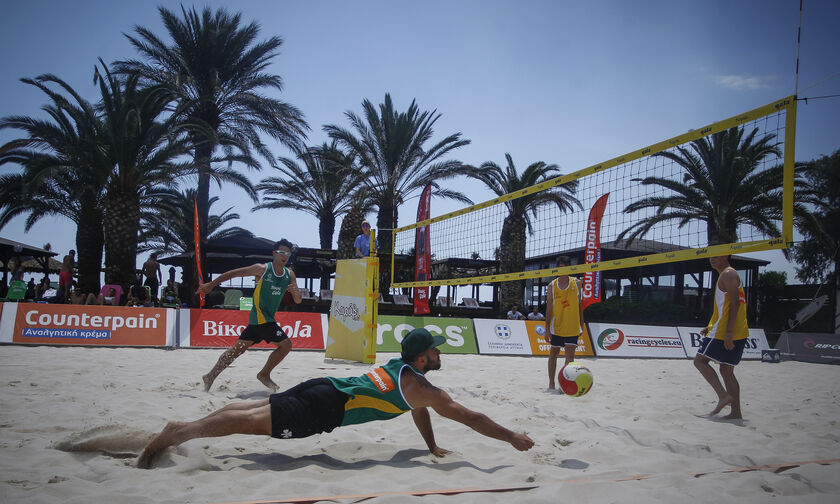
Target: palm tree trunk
[[512, 259], [202, 160], [385, 222], [326, 229], [122, 222], [90, 239], [351, 226]]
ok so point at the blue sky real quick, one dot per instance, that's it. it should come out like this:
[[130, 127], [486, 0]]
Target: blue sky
[[571, 83]]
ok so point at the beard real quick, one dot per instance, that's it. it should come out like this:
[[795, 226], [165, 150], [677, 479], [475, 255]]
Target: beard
[[432, 366]]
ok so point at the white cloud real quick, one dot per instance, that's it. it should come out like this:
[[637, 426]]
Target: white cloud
[[741, 82]]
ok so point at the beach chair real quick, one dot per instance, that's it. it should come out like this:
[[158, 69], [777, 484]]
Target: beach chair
[[118, 292], [470, 302], [17, 291], [444, 301], [232, 299], [401, 299], [326, 295]]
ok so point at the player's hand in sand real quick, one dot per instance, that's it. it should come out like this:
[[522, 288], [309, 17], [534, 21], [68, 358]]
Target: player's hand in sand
[[437, 451]]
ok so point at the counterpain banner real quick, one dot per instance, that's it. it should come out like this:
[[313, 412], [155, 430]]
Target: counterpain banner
[[592, 280], [422, 253], [61, 324]]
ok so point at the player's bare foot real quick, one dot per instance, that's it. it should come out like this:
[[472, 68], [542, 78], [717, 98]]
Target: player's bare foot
[[164, 440], [208, 382], [722, 403], [266, 380]]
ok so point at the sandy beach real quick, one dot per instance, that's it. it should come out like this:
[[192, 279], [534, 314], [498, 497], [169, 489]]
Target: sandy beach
[[74, 420]]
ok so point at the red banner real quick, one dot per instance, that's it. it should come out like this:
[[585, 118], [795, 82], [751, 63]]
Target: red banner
[[423, 253], [197, 235], [221, 328], [592, 280]]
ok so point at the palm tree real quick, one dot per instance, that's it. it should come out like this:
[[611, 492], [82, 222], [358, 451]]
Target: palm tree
[[393, 150], [214, 70], [143, 152], [63, 174], [167, 227], [517, 225], [722, 187], [322, 187]]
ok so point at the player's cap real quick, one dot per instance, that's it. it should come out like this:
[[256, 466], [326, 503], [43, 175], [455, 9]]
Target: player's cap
[[418, 341], [365, 222]]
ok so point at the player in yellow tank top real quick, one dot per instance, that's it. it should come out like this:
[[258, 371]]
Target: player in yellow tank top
[[563, 319], [724, 338]]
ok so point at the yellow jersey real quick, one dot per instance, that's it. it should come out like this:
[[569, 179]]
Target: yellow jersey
[[720, 315], [565, 319]]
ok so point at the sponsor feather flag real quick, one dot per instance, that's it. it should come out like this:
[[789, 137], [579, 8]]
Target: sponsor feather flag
[[592, 254], [422, 254], [197, 235]]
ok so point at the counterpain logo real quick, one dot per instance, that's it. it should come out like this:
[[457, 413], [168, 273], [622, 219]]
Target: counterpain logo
[[610, 339]]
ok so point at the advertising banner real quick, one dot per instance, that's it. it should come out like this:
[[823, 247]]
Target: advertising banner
[[61, 324], [810, 347], [349, 336], [536, 334], [221, 329], [592, 280], [460, 338], [756, 342], [423, 253], [625, 340], [502, 337]]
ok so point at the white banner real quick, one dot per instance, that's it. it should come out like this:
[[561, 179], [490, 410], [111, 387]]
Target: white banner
[[756, 342], [496, 336], [625, 340]]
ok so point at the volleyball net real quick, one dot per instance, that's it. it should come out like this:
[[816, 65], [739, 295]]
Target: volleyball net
[[654, 201]]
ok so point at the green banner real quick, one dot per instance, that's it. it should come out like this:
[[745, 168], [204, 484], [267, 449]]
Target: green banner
[[246, 303], [459, 334]]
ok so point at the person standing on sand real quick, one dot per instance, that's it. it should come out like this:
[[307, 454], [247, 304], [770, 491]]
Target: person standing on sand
[[322, 404], [274, 279], [563, 319], [724, 338]]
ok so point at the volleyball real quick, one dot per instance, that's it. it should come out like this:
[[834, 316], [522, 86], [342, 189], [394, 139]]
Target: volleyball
[[575, 379]]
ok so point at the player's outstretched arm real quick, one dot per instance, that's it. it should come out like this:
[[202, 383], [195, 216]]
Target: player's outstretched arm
[[420, 393], [252, 270]]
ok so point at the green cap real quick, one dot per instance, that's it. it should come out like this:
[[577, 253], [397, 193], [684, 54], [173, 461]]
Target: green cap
[[418, 341]]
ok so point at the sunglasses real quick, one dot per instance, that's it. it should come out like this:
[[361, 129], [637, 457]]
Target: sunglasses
[[283, 253], [366, 225]]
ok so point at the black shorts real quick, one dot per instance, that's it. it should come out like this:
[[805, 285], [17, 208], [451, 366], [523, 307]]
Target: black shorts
[[562, 341], [270, 332], [308, 408], [716, 351], [153, 285]]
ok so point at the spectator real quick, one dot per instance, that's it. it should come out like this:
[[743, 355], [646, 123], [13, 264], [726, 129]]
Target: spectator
[[138, 295], [16, 269], [109, 298], [151, 269], [65, 277], [514, 313], [42, 287], [170, 294], [362, 243], [81, 298], [31, 289], [536, 315], [172, 274]]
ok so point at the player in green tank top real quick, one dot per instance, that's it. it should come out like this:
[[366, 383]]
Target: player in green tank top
[[322, 404], [274, 279]]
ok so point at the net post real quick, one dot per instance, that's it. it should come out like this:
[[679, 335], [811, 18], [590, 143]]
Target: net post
[[790, 165]]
